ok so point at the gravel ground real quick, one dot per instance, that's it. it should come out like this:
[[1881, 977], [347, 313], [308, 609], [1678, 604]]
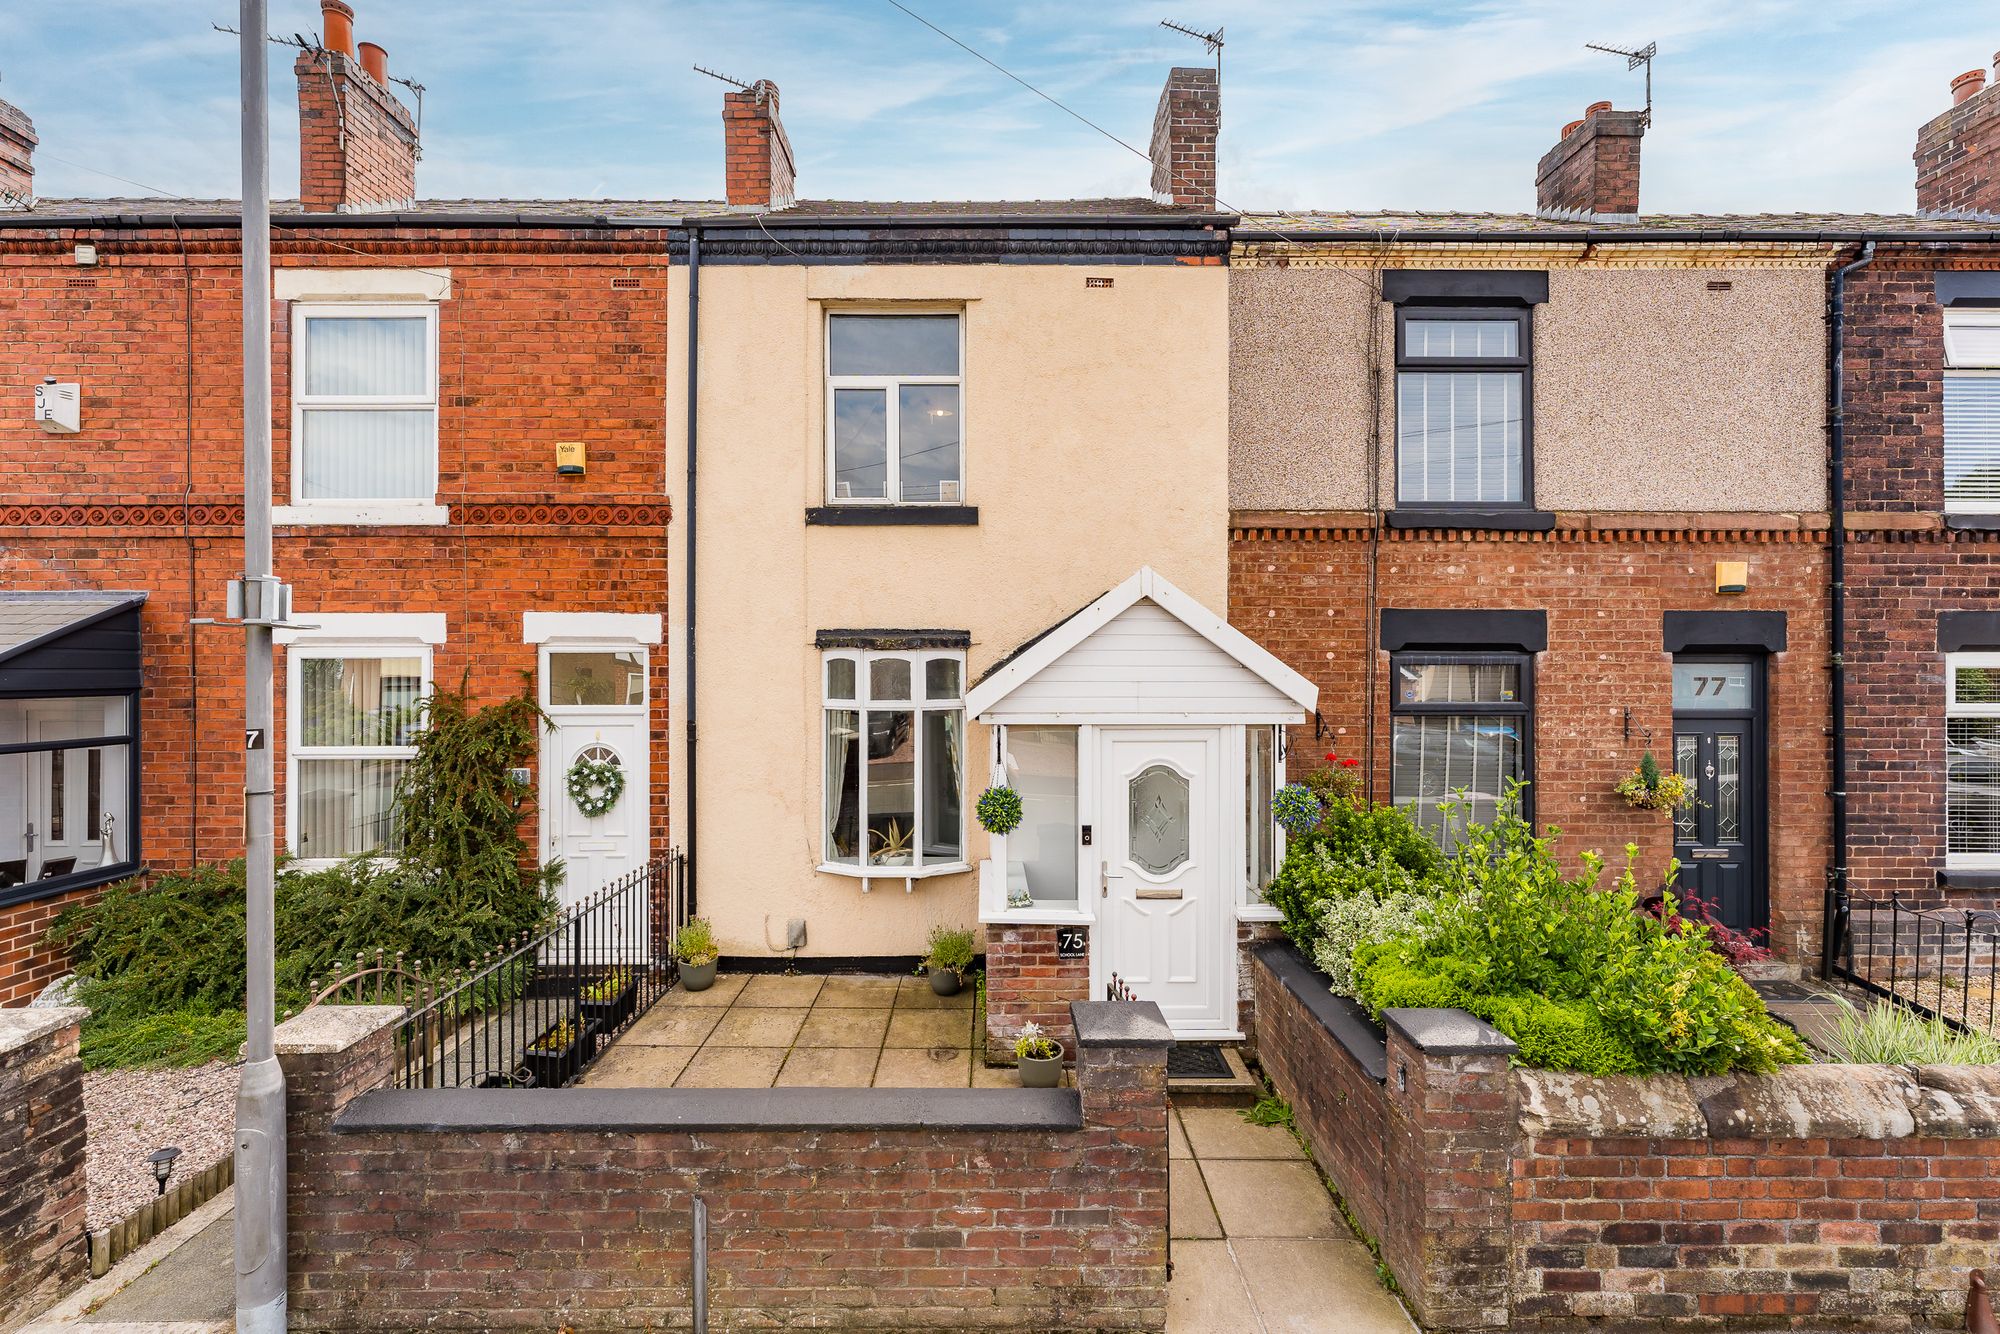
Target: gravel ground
[[1951, 999], [132, 1112]]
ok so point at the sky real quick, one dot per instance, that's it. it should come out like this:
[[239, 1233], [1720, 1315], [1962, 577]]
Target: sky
[[1759, 105]]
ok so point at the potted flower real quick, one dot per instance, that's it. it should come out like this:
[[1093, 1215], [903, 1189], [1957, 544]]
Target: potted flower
[[1651, 788], [999, 810], [608, 1001], [947, 957], [554, 1058], [694, 946], [1040, 1057]]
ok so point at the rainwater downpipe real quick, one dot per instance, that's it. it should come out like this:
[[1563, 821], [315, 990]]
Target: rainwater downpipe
[[688, 525], [1837, 883]]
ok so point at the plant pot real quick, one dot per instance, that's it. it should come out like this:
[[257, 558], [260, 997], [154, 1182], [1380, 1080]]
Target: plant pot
[[1041, 1072], [698, 976], [945, 981], [553, 1069], [608, 1014]]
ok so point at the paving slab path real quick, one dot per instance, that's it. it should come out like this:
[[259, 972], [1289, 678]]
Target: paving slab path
[[1258, 1245]]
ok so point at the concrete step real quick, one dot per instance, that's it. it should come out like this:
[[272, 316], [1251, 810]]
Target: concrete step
[[1240, 1089]]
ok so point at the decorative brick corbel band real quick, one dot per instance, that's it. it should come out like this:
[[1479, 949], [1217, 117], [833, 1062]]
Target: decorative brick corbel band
[[226, 517], [1571, 528]]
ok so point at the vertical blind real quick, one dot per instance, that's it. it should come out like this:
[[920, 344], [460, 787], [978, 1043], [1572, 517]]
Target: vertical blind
[[1972, 761], [367, 409]]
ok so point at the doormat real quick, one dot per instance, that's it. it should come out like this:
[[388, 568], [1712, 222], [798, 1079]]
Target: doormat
[[1198, 1060]]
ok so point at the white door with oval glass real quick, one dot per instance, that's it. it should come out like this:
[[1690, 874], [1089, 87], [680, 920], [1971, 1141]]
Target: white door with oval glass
[[1163, 922], [596, 786]]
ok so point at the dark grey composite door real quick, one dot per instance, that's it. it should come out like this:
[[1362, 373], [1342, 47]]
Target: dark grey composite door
[[1719, 841]]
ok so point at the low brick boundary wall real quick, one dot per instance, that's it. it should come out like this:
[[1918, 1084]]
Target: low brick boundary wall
[[1825, 1196], [829, 1208], [1026, 979], [42, 1255]]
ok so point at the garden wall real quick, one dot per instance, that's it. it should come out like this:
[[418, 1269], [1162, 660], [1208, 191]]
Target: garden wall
[[41, 1160], [834, 1208], [1857, 1197]]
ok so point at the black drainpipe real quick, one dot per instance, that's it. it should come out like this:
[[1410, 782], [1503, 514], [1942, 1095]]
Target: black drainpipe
[[1835, 925], [687, 522]]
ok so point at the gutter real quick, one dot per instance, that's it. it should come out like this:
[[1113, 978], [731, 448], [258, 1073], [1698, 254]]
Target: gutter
[[30, 220], [1610, 235], [1837, 907], [687, 521]]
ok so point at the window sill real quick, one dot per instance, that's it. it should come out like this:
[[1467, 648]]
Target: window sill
[[1969, 878], [411, 514], [1495, 520], [1258, 912], [894, 872], [892, 516], [34, 890], [1972, 521], [1039, 915]]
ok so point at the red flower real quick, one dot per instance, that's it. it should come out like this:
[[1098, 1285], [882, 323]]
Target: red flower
[[1349, 764], [1331, 757]]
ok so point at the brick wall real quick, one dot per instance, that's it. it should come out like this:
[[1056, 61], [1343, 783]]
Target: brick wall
[[1594, 167], [1823, 1196], [357, 142], [41, 1161], [1302, 592], [546, 337], [842, 1209], [1958, 167], [17, 154], [758, 171], [1025, 980], [1185, 126]]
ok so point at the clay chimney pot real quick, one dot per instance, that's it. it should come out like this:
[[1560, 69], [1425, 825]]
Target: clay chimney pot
[[336, 20], [1594, 108], [1571, 128], [1967, 85], [375, 60]]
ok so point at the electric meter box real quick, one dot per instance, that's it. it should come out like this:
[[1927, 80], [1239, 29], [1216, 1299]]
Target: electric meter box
[[58, 408]]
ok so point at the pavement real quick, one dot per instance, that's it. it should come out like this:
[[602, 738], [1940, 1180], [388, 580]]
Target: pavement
[[181, 1282], [1258, 1245]]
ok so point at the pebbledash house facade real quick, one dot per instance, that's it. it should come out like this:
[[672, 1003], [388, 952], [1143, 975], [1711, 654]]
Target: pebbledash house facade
[[818, 518]]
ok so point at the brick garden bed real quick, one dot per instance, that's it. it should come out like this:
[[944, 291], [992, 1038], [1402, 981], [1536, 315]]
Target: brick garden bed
[[1824, 1196]]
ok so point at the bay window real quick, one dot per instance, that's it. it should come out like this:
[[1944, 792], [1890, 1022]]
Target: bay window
[[894, 742]]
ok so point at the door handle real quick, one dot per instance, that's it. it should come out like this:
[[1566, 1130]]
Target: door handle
[[1104, 878]]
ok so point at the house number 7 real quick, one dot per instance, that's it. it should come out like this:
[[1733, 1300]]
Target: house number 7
[[253, 738]]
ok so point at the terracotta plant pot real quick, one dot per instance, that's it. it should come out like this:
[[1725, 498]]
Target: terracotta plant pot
[[698, 976], [945, 981], [1042, 1072]]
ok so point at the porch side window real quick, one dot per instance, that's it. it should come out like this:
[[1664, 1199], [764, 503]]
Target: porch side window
[[1972, 761], [1460, 727], [894, 755], [1040, 764], [1972, 410], [1263, 747], [66, 785], [364, 403], [894, 410], [354, 717], [1461, 407]]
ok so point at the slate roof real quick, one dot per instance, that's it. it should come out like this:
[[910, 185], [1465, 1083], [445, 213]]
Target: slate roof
[[28, 618], [1392, 224]]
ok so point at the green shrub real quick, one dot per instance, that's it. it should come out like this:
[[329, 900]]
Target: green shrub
[[694, 943], [1888, 1034], [1354, 849], [1351, 921], [190, 1035], [949, 949]]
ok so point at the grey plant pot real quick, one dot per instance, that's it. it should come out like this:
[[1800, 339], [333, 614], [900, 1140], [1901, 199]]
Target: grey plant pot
[[698, 976], [945, 981], [1041, 1072]]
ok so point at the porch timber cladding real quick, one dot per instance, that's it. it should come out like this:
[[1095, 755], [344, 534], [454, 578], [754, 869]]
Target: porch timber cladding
[[839, 1208]]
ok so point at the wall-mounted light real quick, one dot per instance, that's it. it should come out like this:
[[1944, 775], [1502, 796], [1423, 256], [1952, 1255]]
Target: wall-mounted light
[[1732, 576]]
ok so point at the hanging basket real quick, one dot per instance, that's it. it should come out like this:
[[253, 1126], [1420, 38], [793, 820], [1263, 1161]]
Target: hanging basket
[[999, 810], [1650, 788], [595, 785]]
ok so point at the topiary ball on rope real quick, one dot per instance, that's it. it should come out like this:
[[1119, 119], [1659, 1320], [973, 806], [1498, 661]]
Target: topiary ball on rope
[[999, 810], [595, 785]]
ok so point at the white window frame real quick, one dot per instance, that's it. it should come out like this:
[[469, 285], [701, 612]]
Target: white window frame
[[861, 704], [384, 510], [1953, 664], [891, 385], [1250, 904], [1957, 367], [551, 647], [296, 654]]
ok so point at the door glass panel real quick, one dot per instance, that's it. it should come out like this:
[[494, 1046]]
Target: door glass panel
[[1728, 787], [1711, 686], [605, 677], [58, 789], [1685, 747], [1158, 831]]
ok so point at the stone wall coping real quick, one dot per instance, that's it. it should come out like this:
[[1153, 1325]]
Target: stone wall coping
[[325, 1029], [710, 1110], [1438, 1032], [1345, 1019], [1120, 1024], [1795, 1102], [1561, 1104], [19, 1027]]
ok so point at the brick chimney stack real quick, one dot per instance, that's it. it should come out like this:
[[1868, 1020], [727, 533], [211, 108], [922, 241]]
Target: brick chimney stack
[[1958, 151], [17, 157], [1184, 132], [357, 143], [1594, 167], [756, 156]]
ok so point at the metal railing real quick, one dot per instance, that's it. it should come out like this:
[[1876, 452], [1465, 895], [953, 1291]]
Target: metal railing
[[1118, 989], [537, 1015], [1942, 963]]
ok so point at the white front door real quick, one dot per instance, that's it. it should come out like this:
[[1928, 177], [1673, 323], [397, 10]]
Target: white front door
[[1163, 921], [596, 698]]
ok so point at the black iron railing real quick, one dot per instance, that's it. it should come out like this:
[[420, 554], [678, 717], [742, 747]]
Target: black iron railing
[[1943, 963], [1118, 989], [538, 1014]]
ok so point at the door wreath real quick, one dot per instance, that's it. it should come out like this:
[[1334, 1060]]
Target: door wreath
[[595, 784]]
